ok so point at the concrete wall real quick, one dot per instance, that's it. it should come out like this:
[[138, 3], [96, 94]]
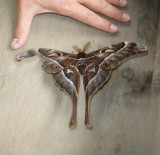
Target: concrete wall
[[34, 113]]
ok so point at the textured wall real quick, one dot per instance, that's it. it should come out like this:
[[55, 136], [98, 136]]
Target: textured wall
[[34, 113]]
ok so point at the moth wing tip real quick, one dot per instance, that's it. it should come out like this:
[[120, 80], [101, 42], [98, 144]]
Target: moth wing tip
[[18, 58]]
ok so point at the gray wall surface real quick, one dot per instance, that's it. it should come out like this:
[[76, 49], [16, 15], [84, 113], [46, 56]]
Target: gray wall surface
[[125, 113]]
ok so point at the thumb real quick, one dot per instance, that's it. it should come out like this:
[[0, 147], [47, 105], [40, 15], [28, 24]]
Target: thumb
[[22, 28]]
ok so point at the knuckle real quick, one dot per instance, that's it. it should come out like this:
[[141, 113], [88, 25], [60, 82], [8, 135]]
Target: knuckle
[[106, 25], [90, 17], [117, 2], [67, 7], [118, 13], [101, 4], [20, 30]]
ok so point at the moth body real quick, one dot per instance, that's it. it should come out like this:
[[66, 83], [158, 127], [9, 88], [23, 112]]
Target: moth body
[[96, 68]]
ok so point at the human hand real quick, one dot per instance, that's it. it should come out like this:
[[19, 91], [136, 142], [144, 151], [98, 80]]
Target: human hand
[[78, 9]]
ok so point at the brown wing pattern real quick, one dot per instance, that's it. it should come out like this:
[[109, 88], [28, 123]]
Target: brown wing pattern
[[94, 76], [96, 67], [60, 65], [100, 64], [129, 50]]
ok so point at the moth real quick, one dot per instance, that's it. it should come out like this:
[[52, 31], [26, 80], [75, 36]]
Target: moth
[[94, 67]]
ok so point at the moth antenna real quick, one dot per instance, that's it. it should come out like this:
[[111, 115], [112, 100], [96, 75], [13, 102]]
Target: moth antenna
[[86, 46], [77, 49]]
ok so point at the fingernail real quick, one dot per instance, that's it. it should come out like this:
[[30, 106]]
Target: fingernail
[[114, 28], [14, 43], [123, 2], [126, 17]]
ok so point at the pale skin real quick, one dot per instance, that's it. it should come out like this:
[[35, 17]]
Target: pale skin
[[82, 10]]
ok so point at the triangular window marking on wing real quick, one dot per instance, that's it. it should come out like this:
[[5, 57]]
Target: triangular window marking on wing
[[95, 67], [109, 51], [69, 71], [106, 51], [53, 55], [92, 69]]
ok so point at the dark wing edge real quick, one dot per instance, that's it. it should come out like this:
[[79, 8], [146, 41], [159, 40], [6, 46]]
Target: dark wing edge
[[114, 56], [44, 52], [130, 50], [67, 79], [92, 87], [68, 82], [69, 88]]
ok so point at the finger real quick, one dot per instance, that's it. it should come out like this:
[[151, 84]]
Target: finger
[[87, 16], [22, 28], [121, 3], [106, 9]]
